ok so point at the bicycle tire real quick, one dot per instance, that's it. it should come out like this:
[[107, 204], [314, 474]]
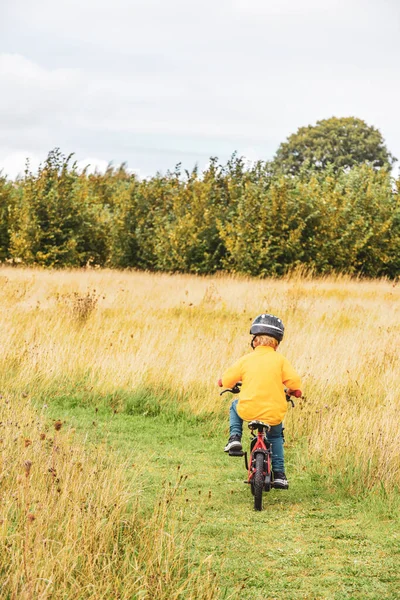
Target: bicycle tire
[[258, 482]]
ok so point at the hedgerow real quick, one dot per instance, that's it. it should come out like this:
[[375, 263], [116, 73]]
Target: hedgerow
[[232, 217]]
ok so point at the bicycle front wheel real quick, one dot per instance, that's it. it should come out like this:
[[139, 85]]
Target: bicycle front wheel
[[258, 482]]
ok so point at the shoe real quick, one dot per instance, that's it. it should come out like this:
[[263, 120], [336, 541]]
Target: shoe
[[280, 482], [234, 443]]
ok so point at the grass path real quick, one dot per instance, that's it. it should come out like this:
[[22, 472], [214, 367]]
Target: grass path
[[308, 543]]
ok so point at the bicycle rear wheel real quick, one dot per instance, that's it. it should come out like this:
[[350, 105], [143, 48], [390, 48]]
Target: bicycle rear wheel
[[258, 484]]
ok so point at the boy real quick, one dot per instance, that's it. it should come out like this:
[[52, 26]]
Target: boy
[[263, 374]]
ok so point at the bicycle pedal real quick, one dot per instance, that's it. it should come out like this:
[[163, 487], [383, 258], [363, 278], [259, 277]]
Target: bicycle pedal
[[237, 453]]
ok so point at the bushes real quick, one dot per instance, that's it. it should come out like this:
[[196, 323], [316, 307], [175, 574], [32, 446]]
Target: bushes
[[348, 223], [5, 205], [55, 219], [228, 218]]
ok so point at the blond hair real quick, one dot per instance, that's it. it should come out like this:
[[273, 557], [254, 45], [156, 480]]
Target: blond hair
[[265, 340]]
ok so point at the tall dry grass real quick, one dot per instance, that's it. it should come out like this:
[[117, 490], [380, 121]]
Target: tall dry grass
[[73, 523], [107, 334]]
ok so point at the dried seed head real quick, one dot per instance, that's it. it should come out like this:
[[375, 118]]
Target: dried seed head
[[57, 425], [42, 436], [27, 467], [31, 517], [27, 443]]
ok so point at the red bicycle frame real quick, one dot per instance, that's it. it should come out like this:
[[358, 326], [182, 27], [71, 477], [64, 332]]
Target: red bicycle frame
[[259, 445]]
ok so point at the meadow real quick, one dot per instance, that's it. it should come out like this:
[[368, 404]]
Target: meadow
[[114, 483]]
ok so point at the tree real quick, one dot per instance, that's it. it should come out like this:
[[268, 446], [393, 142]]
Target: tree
[[341, 143], [54, 221]]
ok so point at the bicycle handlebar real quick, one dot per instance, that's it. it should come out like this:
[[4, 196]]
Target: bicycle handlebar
[[236, 389]]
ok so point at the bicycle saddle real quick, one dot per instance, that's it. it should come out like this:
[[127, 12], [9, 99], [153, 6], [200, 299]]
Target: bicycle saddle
[[256, 424]]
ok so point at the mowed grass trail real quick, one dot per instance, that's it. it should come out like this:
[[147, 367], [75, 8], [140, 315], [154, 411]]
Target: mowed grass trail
[[311, 542]]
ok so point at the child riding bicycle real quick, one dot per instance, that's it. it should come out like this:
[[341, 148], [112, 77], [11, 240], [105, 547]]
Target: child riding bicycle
[[263, 373]]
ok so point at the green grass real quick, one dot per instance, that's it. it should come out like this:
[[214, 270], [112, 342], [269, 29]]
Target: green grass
[[312, 542]]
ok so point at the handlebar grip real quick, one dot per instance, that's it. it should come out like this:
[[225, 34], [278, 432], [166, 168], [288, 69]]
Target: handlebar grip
[[234, 390]]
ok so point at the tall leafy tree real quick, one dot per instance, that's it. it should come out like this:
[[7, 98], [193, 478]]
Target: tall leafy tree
[[54, 221], [342, 143]]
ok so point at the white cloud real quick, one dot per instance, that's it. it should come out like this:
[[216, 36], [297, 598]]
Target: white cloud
[[37, 97], [13, 165], [152, 82], [14, 67], [92, 165], [31, 94]]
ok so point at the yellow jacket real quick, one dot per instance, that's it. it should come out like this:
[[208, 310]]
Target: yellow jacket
[[263, 374]]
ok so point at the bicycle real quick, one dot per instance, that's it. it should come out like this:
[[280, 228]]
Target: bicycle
[[259, 472]]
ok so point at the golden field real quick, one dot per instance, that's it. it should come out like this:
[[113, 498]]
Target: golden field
[[108, 333], [100, 335]]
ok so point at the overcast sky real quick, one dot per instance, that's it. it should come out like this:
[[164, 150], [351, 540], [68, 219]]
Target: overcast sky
[[156, 82]]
